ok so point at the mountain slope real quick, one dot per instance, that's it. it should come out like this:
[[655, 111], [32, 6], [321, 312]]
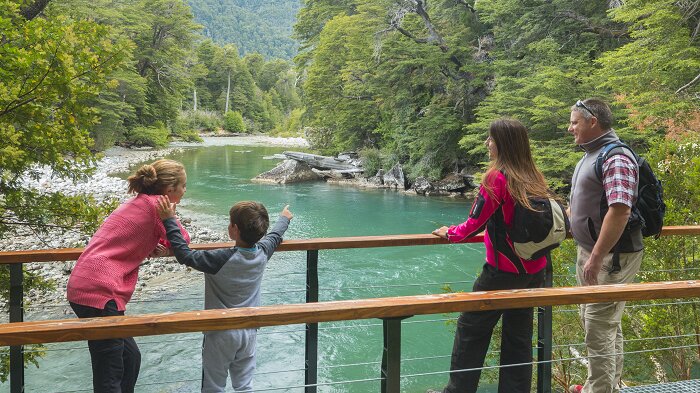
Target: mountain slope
[[263, 26]]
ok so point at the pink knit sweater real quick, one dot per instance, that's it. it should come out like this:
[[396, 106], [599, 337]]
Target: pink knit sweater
[[108, 268]]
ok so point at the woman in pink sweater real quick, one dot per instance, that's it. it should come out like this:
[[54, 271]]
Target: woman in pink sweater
[[510, 178], [105, 275]]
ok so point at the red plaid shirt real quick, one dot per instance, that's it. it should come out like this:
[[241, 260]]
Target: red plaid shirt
[[620, 179]]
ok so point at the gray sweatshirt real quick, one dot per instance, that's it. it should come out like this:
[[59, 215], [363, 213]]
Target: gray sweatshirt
[[233, 275]]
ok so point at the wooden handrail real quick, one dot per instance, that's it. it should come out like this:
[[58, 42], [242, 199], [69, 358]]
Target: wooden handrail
[[332, 243], [423, 239], [21, 333]]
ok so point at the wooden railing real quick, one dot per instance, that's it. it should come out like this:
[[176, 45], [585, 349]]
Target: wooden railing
[[390, 310]]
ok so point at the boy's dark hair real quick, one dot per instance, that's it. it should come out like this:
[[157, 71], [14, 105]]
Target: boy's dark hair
[[251, 219]]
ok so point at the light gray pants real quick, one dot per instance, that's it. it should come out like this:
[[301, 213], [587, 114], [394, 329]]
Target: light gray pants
[[228, 352], [602, 324]]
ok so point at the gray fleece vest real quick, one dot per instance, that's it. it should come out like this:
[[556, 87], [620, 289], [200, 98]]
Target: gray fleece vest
[[589, 204]]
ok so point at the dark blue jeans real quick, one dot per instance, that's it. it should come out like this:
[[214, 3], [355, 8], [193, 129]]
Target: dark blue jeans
[[473, 336], [115, 362]]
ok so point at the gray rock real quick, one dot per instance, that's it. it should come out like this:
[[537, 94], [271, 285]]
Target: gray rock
[[376, 180], [289, 171], [422, 185], [395, 178], [453, 182]]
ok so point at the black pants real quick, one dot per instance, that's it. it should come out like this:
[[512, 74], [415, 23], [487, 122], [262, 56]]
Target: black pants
[[474, 330], [115, 362]]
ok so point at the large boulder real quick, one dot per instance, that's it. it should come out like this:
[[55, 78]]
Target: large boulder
[[395, 178], [288, 171], [422, 185], [453, 183]]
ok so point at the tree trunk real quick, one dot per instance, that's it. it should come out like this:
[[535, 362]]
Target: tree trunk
[[228, 91], [34, 8], [195, 99]]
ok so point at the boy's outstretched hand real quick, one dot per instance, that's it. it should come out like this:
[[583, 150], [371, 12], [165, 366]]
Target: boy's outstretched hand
[[287, 213], [165, 208]]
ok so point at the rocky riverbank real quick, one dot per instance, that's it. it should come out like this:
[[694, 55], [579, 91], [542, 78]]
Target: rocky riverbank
[[347, 169], [156, 275]]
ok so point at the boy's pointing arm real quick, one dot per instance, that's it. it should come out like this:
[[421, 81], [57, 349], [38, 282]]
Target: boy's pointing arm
[[204, 261], [208, 261]]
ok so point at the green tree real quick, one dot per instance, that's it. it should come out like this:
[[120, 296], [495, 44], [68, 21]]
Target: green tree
[[656, 74], [50, 69], [233, 122], [163, 45]]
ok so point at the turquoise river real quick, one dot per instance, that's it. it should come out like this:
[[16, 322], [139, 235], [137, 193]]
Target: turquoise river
[[349, 352]]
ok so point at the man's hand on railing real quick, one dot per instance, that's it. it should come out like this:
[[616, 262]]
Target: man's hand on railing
[[165, 208], [441, 232]]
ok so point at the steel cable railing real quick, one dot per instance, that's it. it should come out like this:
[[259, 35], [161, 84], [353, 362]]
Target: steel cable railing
[[414, 375]]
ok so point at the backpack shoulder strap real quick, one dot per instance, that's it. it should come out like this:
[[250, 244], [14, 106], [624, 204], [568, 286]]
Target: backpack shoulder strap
[[611, 149]]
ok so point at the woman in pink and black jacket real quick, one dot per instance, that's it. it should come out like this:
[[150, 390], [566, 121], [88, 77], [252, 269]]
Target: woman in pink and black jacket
[[510, 178], [105, 275]]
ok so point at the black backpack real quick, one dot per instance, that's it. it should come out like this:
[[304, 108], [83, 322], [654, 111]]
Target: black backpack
[[650, 207], [536, 232]]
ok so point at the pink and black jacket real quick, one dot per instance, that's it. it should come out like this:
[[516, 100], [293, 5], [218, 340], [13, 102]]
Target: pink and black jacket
[[490, 212]]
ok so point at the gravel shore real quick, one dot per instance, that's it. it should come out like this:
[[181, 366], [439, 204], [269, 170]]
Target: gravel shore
[[156, 275]]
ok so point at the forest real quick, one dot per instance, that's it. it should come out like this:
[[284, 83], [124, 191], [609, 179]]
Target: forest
[[420, 80], [410, 81], [254, 26]]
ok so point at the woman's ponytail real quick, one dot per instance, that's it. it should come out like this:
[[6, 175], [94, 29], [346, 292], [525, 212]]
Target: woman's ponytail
[[155, 178]]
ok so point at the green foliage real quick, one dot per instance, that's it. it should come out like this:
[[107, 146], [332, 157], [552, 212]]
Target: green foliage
[[50, 69], [233, 122], [32, 353], [188, 136], [155, 39], [252, 25], [372, 161], [677, 164], [567, 329], [662, 57], [199, 120], [51, 72], [153, 136], [293, 124]]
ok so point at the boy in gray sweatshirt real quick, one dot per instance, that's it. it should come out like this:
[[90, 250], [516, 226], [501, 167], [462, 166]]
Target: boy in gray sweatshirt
[[232, 279]]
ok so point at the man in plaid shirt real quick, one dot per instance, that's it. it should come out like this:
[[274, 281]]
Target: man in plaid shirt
[[609, 250]]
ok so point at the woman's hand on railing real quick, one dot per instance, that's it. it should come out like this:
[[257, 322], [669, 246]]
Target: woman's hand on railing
[[441, 232]]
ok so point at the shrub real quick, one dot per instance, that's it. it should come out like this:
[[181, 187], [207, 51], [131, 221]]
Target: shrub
[[320, 139], [189, 136], [197, 121], [154, 136], [371, 161], [292, 125], [233, 122]]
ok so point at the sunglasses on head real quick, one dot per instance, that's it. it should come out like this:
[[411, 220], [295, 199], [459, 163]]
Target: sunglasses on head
[[580, 104]]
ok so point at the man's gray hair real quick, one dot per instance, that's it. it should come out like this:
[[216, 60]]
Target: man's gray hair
[[594, 107]]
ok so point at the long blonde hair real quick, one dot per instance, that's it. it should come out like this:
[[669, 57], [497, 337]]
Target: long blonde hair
[[514, 158], [155, 178]]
